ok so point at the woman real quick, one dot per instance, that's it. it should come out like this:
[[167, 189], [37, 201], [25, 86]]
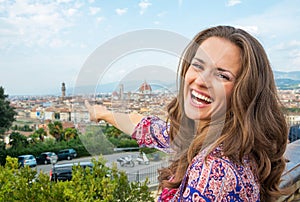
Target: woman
[[225, 127]]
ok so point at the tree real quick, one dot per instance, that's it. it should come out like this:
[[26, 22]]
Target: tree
[[70, 133], [39, 133], [112, 131], [7, 112], [2, 153], [15, 127], [56, 130], [95, 141], [26, 128], [18, 140]]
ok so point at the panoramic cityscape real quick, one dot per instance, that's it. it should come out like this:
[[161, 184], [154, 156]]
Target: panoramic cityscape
[[38, 111], [56, 55]]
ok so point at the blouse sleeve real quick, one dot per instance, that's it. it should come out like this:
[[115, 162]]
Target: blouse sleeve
[[152, 132]]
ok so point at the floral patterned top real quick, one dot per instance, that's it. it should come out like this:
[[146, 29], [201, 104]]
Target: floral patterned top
[[214, 179]]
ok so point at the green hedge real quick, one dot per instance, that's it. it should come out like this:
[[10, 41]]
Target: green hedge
[[49, 145], [124, 142], [93, 142], [101, 184]]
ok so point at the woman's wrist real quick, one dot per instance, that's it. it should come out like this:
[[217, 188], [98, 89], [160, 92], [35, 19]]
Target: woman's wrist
[[106, 116]]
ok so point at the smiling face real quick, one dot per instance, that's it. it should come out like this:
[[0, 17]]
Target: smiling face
[[210, 79]]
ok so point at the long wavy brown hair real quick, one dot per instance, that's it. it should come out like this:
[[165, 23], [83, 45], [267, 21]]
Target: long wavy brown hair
[[253, 125]]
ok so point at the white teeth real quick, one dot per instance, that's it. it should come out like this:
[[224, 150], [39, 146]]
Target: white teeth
[[201, 97]]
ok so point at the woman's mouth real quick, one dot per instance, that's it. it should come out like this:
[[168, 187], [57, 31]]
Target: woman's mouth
[[199, 99]]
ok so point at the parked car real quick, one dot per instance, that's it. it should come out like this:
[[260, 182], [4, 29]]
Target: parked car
[[47, 157], [29, 160], [66, 154], [63, 172]]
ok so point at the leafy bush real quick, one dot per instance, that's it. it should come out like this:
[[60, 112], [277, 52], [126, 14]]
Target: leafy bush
[[99, 184], [86, 145], [148, 150], [95, 141], [124, 142]]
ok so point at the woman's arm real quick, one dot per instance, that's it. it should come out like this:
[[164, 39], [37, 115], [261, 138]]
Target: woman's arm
[[149, 131], [124, 122]]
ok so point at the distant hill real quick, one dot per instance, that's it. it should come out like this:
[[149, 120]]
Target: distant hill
[[285, 84], [287, 80], [294, 75], [129, 86]]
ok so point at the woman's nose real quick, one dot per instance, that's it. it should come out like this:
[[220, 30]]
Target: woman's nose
[[203, 79]]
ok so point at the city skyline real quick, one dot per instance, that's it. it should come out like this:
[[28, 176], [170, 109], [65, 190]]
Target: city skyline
[[45, 43]]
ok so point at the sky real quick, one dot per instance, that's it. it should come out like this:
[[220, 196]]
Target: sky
[[44, 43]]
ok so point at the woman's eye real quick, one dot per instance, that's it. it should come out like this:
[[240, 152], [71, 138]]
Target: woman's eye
[[198, 66], [223, 76]]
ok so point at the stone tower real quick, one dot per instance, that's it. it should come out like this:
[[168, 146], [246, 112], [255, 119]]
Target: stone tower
[[63, 91], [121, 91]]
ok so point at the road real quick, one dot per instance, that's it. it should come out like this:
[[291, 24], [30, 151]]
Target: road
[[139, 172]]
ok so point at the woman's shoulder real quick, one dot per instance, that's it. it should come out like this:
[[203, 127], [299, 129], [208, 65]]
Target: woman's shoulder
[[216, 158]]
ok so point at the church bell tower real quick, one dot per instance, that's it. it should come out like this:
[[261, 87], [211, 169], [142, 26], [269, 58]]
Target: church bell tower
[[63, 91]]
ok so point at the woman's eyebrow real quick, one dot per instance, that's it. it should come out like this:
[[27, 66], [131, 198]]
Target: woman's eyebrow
[[200, 60], [225, 70]]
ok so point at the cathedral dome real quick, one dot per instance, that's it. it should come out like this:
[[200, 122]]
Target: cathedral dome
[[145, 88]]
